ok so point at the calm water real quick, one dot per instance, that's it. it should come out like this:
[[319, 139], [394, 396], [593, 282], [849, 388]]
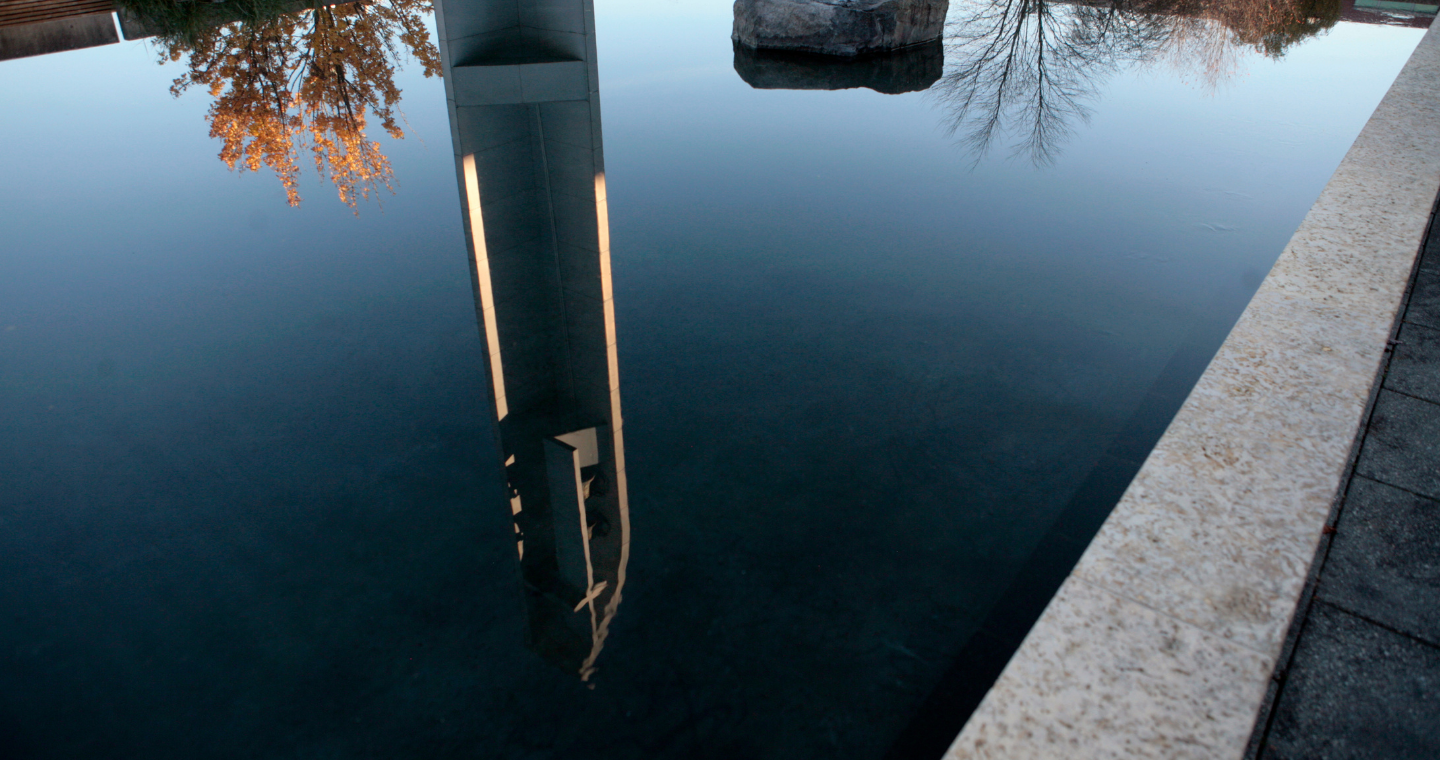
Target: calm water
[[880, 382]]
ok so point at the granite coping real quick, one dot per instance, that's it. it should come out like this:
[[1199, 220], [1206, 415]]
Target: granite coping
[[1360, 676], [1162, 640]]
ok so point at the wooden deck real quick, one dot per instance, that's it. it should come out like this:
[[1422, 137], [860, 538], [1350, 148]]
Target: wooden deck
[[20, 12], [37, 27]]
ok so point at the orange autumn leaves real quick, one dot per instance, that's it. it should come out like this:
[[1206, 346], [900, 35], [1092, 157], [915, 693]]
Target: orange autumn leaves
[[308, 80]]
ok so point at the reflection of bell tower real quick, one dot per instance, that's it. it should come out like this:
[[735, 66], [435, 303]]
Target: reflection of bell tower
[[525, 117]]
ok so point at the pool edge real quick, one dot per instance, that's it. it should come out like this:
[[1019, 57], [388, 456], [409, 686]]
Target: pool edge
[[1161, 642]]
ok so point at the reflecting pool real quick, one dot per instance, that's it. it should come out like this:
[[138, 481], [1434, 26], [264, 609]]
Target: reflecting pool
[[365, 393]]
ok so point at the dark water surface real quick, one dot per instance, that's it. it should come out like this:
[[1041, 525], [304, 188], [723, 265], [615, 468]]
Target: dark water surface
[[255, 500]]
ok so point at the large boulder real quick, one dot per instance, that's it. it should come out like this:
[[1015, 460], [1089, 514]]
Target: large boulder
[[838, 27], [912, 69]]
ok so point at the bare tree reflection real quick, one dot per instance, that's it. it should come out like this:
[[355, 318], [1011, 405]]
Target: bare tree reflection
[[306, 79], [1029, 67]]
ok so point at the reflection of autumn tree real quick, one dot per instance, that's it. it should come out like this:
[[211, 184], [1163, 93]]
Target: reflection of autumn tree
[[307, 79], [1271, 27], [1033, 64]]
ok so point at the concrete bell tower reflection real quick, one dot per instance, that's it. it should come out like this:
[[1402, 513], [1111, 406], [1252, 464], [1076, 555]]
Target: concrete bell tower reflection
[[521, 81]]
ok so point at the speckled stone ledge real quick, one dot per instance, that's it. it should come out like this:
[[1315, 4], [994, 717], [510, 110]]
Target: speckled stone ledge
[[1161, 642]]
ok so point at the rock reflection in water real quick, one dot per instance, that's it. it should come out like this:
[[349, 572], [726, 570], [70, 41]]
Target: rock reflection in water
[[910, 69], [838, 27]]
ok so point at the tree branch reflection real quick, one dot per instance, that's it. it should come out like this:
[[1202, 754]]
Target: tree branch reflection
[[309, 79], [1029, 67]]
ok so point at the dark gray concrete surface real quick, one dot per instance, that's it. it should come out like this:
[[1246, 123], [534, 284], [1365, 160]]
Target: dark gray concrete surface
[[1402, 444], [1425, 299], [1357, 690], [1415, 365], [1360, 677], [1385, 564]]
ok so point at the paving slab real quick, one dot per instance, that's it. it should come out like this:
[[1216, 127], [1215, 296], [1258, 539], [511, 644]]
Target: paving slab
[[1356, 691], [1430, 256], [1425, 300], [1402, 447], [1415, 364], [1384, 562]]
